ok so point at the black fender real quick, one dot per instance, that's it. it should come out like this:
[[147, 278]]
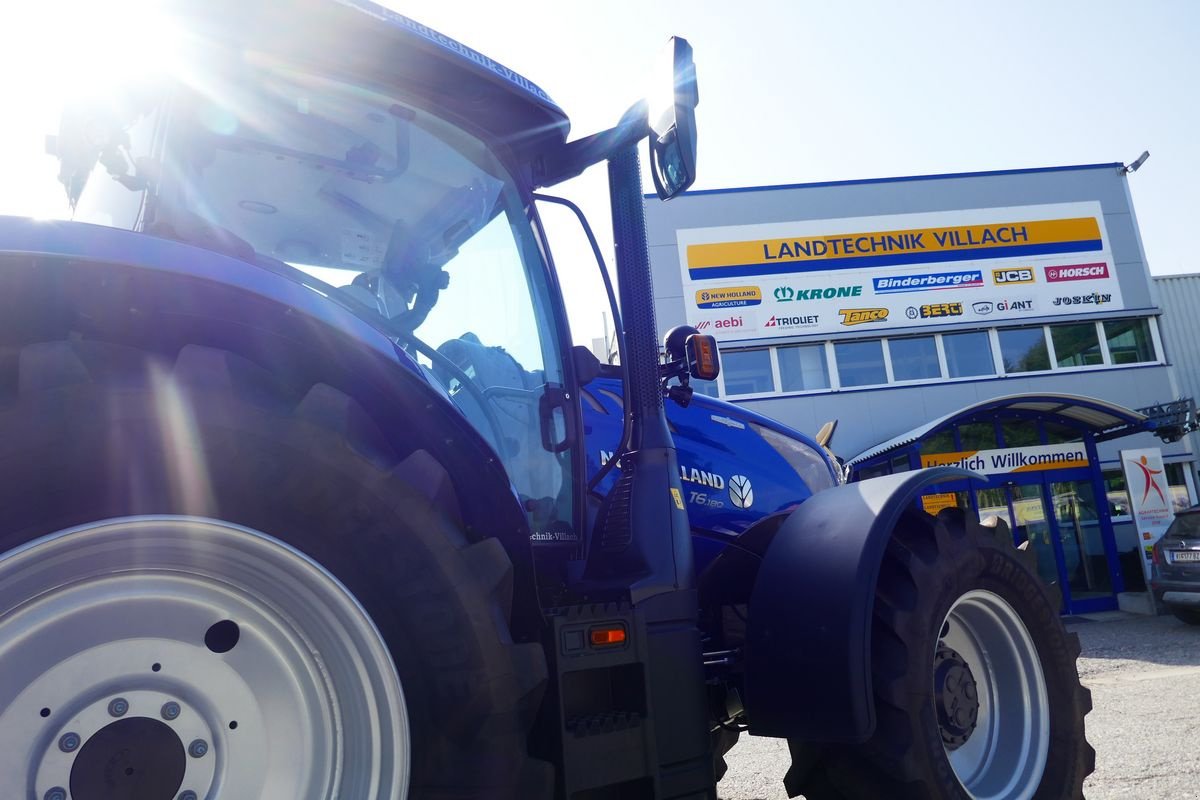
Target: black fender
[[808, 637]]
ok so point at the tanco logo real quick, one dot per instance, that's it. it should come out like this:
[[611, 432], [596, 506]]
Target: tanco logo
[[858, 316]]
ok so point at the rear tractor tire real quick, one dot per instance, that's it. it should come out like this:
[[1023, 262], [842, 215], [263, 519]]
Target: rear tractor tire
[[977, 696], [214, 588]]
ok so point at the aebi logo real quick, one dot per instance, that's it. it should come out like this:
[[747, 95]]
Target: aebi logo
[[721, 324]]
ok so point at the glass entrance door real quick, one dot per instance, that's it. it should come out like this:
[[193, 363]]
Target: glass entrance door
[[1065, 531], [1085, 559]]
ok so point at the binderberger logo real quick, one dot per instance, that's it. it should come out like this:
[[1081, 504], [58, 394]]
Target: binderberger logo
[[860, 316]]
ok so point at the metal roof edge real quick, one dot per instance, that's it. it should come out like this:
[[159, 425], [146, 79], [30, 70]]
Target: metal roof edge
[[897, 179], [916, 433]]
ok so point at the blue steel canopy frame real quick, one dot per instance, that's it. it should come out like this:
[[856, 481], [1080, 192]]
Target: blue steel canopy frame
[[1095, 420]]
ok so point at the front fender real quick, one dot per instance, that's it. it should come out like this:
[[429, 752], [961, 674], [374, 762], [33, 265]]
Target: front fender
[[808, 637]]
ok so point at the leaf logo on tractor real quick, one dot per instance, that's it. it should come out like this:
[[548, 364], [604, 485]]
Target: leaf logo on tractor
[[740, 491]]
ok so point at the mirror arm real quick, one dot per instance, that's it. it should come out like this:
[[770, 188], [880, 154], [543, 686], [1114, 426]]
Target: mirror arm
[[574, 157]]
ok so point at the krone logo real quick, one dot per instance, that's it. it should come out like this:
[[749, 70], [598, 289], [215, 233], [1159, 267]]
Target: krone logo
[[858, 316], [740, 491], [785, 293]]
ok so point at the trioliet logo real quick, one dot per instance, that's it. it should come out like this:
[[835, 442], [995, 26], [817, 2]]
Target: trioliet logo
[[859, 316], [1005, 277], [805, 321]]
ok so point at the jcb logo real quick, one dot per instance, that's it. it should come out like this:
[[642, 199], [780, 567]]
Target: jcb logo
[[1003, 277]]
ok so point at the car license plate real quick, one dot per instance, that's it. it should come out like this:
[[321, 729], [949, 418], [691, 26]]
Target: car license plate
[[1178, 556]]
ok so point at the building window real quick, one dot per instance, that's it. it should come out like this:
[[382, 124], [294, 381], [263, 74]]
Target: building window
[[968, 354], [977, 436], [1129, 341], [704, 387], [1023, 349], [1019, 433], [1118, 496], [747, 372], [803, 368], [1061, 434], [860, 363], [940, 442], [1177, 485], [1076, 345], [914, 359]]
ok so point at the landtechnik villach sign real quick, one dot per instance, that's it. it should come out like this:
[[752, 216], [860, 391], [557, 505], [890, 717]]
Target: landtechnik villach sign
[[980, 266]]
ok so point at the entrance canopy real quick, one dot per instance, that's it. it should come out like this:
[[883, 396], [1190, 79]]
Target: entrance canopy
[[1102, 419]]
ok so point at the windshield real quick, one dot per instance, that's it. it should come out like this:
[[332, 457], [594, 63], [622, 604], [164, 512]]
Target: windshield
[[414, 221]]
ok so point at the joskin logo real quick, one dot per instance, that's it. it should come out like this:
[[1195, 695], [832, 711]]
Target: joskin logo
[[1076, 272], [861, 316], [932, 280], [803, 321], [935, 310], [1093, 299], [1007, 277], [731, 297], [788, 294]]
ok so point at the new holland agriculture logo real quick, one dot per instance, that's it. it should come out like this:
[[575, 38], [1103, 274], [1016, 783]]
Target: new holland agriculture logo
[[730, 297], [860, 316]]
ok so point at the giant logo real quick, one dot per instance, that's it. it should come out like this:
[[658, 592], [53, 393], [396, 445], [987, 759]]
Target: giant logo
[[1006, 277], [732, 297], [932, 280], [1076, 272], [860, 316]]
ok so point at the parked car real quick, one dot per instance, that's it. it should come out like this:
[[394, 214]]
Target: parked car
[[1177, 555]]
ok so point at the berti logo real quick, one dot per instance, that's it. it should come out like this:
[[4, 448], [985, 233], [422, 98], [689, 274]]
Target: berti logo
[[1004, 277], [860, 316]]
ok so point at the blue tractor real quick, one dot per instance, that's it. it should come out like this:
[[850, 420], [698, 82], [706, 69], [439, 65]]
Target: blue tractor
[[305, 492]]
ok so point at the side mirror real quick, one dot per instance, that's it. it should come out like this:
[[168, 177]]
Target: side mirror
[[672, 117], [697, 351]]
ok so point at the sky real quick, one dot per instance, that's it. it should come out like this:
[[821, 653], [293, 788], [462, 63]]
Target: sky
[[790, 92]]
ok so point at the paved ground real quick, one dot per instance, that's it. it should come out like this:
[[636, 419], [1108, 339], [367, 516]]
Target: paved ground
[[1144, 674]]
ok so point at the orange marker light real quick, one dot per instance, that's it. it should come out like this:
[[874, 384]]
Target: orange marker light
[[602, 637], [704, 363]]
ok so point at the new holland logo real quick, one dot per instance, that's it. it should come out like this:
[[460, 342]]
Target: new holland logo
[[732, 297], [740, 491], [1005, 277], [859, 316]]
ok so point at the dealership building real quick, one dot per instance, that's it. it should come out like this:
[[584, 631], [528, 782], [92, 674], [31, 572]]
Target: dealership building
[[1005, 321]]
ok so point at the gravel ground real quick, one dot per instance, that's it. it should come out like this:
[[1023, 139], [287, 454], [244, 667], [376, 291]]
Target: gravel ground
[[1144, 673]]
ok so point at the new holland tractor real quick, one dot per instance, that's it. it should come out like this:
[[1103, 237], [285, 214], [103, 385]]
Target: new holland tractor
[[306, 494]]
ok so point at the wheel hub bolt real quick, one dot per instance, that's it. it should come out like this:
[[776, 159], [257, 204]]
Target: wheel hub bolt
[[187, 795], [57, 793], [118, 707], [170, 710], [198, 748], [68, 742]]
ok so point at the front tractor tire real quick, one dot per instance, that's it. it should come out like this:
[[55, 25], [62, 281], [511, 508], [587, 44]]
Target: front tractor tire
[[214, 587], [977, 696]]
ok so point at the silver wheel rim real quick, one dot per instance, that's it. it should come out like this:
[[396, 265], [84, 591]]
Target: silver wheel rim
[[1005, 754], [135, 619]]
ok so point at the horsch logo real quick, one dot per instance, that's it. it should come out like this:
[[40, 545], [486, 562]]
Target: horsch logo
[[1077, 272]]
